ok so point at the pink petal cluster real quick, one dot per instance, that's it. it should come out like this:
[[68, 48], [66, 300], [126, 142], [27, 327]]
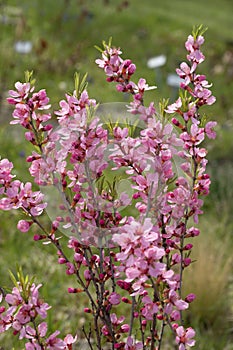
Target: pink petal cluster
[[14, 194], [24, 309], [121, 71]]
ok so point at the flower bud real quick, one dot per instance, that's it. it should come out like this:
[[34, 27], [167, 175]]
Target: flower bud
[[2, 309], [126, 300], [87, 310], [24, 225], [190, 297], [188, 246], [74, 290], [124, 328], [39, 237], [62, 261], [187, 261]]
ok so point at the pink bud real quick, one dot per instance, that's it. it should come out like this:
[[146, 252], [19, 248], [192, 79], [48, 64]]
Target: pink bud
[[39, 237], [188, 246], [48, 127], [124, 285], [62, 261], [124, 328], [175, 326], [74, 290], [120, 88], [87, 275], [175, 315], [24, 225], [126, 300], [190, 297], [70, 268], [136, 195], [131, 69], [87, 310], [159, 317], [187, 261], [78, 257], [2, 309]]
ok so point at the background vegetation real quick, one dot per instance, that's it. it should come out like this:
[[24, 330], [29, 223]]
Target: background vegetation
[[63, 34]]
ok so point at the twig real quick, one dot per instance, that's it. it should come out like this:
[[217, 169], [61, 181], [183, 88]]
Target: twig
[[88, 337]]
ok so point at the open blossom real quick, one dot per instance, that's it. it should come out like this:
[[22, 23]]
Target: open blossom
[[5, 173], [20, 195], [69, 340], [193, 47], [211, 134], [150, 308], [20, 94], [23, 310], [184, 337], [114, 298], [174, 107], [133, 345]]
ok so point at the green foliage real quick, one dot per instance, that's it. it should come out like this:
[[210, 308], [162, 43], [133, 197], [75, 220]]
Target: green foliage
[[80, 85], [24, 281], [198, 30]]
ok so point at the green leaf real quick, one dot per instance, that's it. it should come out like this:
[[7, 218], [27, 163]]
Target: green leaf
[[28, 77], [198, 30], [15, 282], [80, 84]]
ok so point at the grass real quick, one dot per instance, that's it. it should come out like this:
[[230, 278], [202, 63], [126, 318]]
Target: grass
[[209, 278], [63, 38], [63, 41]]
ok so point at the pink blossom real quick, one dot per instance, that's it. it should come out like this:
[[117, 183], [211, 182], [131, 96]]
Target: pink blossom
[[133, 345], [40, 100], [5, 171], [114, 298], [175, 300], [69, 340], [21, 115], [54, 343], [211, 134], [21, 93], [149, 309], [174, 107], [184, 337], [14, 298], [42, 329]]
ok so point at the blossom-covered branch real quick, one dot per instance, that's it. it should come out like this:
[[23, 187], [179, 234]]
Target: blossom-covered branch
[[125, 248]]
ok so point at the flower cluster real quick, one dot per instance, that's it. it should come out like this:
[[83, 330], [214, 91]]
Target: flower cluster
[[23, 313], [14, 194], [121, 71], [140, 251]]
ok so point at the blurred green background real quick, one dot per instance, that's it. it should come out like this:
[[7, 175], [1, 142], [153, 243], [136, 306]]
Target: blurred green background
[[56, 38]]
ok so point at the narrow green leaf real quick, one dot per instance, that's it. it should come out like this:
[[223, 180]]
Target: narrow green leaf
[[98, 48], [12, 277]]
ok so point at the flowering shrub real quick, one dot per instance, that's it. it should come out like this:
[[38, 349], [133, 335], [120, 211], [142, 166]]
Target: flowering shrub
[[117, 258]]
